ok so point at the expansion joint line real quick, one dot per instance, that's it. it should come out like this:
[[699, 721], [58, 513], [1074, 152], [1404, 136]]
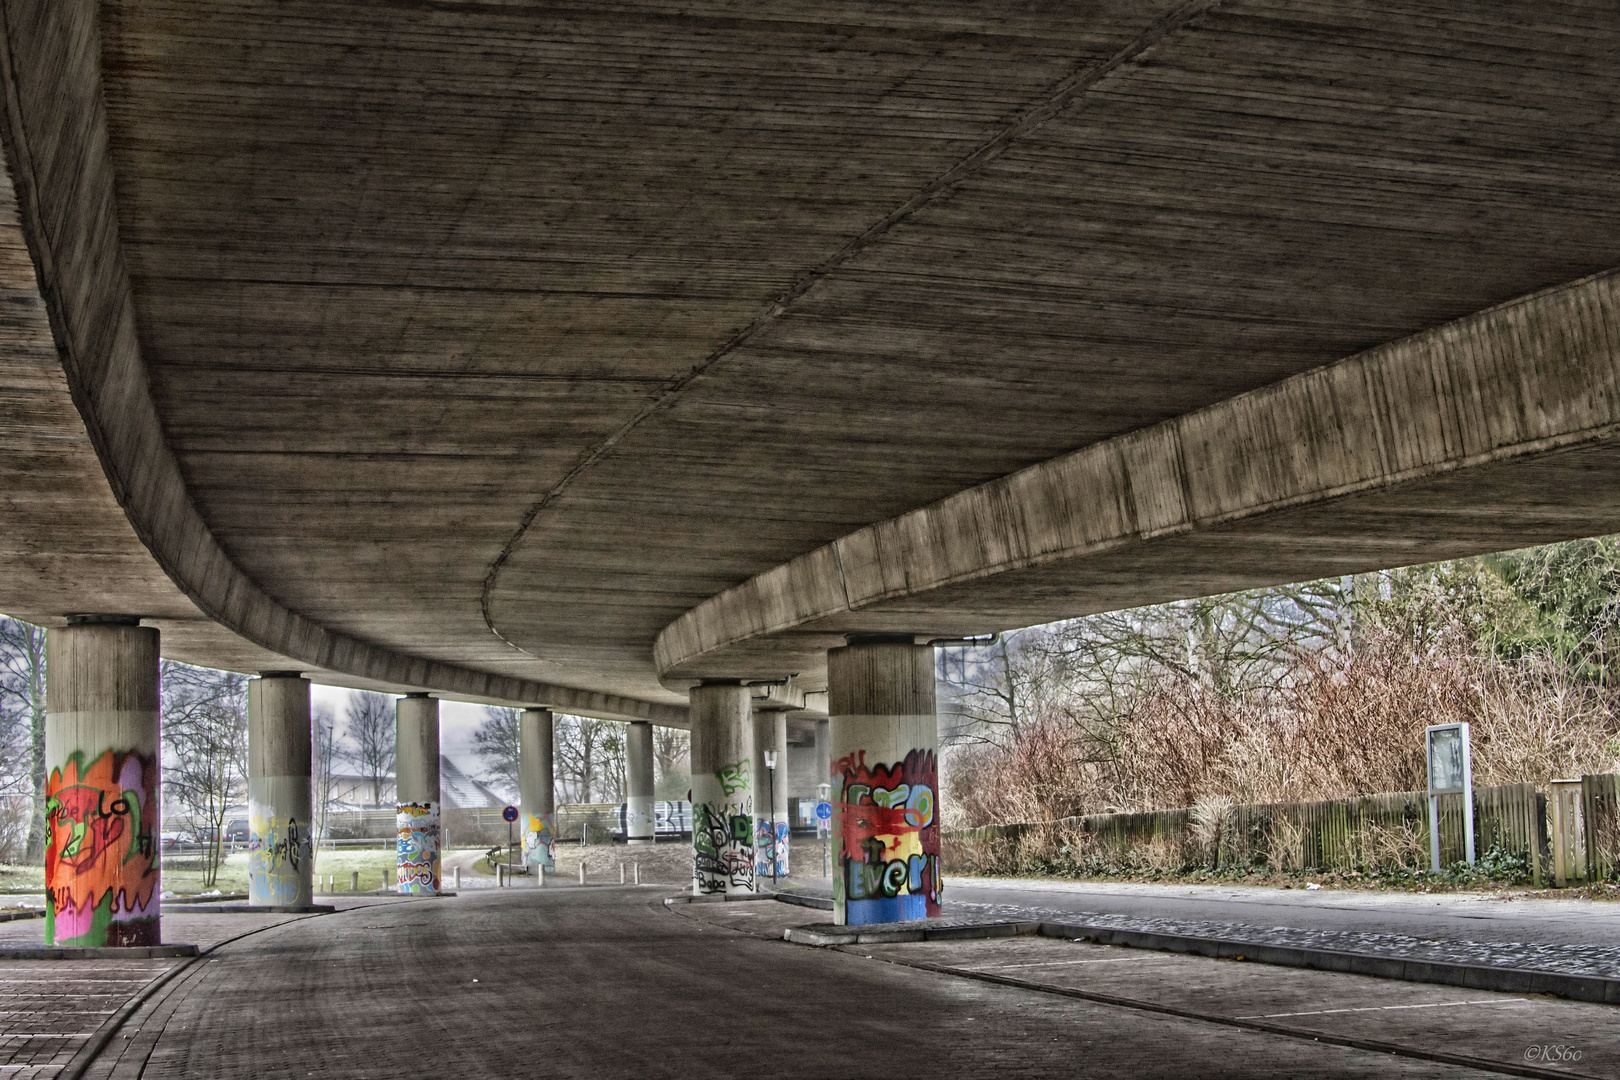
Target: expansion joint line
[[1052, 104]]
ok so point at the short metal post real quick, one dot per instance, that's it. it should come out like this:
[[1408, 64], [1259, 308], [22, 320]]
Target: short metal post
[[1434, 832], [621, 873], [636, 869], [354, 881], [582, 871], [458, 877]]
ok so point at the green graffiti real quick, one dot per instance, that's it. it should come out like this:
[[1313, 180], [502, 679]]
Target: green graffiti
[[734, 778]]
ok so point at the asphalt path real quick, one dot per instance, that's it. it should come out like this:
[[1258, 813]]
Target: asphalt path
[[1445, 916]]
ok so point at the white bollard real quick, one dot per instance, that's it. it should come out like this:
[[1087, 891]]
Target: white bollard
[[458, 877], [635, 868], [621, 873], [354, 881], [540, 871], [582, 871]]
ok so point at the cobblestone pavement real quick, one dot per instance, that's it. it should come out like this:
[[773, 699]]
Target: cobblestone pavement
[[607, 982], [1569, 937], [49, 1009]]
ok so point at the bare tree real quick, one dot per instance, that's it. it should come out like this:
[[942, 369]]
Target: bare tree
[[499, 743], [369, 740], [589, 758], [204, 733], [22, 722], [672, 754]]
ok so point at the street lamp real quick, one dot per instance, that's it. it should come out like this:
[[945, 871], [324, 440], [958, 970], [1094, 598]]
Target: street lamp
[[770, 769]]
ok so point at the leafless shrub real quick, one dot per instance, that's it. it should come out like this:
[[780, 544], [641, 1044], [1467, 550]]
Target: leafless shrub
[[1209, 825], [1404, 847]]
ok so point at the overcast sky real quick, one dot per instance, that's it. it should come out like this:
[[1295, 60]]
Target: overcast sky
[[457, 721]]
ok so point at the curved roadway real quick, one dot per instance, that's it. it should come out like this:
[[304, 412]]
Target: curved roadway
[[607, 983]]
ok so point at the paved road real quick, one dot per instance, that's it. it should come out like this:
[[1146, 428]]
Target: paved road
[[1475, 916], [607, 982]]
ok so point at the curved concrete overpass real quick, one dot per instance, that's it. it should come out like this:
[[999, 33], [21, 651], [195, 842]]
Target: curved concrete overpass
[[564, 357]]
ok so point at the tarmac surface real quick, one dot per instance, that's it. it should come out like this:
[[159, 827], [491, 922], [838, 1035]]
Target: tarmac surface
[[608, 981], [1571, 937]]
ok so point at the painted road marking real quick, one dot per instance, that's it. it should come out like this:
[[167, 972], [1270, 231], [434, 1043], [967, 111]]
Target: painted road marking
[[1385, 1008]]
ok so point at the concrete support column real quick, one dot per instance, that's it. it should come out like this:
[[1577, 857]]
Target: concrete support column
[[281, 856], [638, 809], [416, 786], [536, 793], [722, 789], [885, 781], [101, 788], [770, 795], [823, 752]]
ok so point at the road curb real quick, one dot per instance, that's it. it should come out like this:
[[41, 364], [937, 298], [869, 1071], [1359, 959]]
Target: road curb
[[256, 909], [888, 934], [1592, 988], [71, 952], [723, 898]]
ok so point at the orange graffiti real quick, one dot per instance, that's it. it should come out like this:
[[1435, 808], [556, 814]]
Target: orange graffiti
[[101, 873]]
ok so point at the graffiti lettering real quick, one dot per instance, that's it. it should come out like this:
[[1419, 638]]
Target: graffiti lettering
[[101, 869], [279, 850], [418, 826], [537, 841], [888, 839], [765, 844], [722, 847], [734, 778]]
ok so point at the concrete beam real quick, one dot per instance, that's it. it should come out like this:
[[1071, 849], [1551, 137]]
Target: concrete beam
[[54, 131], [1325, 472]]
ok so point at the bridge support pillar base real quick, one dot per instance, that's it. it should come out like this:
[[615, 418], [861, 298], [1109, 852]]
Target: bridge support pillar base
[[885, 781], [281, 855]]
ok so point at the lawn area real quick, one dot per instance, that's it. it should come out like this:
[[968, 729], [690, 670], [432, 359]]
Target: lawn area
[[16, 879], [375, 866]]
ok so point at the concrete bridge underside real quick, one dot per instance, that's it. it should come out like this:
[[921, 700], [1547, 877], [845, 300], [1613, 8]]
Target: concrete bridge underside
[[565, 357]]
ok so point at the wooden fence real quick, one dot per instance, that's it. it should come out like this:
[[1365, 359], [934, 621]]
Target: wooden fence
[[1390, 829]]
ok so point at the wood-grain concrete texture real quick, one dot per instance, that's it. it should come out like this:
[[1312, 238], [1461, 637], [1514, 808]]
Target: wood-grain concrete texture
[[442, 345]]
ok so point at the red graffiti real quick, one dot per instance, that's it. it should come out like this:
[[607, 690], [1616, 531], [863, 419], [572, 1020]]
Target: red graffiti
[[888, 832], [887, 800], [99, 818]]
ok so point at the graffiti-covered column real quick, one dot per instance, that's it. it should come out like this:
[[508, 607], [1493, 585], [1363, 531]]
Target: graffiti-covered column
[[884, 738], [101, 790], [722, 789], [536, 794], [416, 783], [770, 794], [638, 802], [281, 860]]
